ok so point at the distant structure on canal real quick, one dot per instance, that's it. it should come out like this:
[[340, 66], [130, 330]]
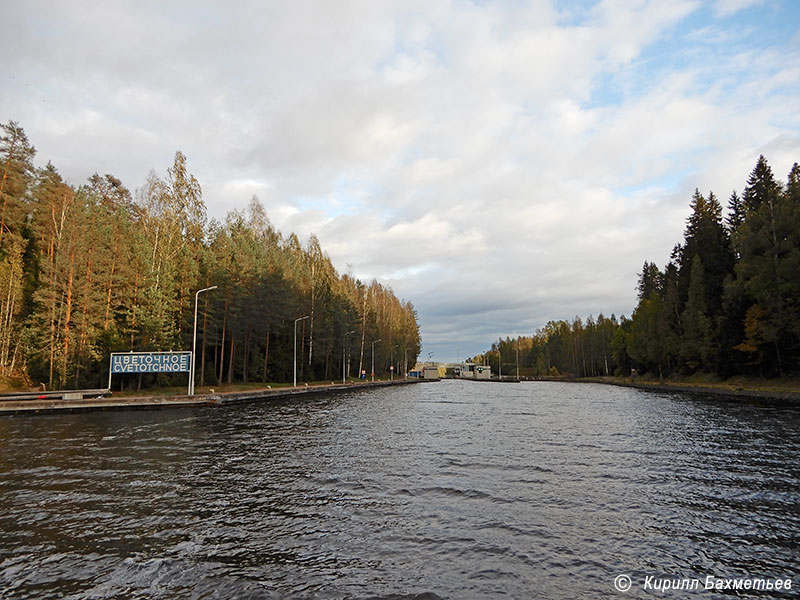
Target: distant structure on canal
[[464, 370], [470, 370]]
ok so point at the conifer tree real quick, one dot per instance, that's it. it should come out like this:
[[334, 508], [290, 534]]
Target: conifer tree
[[16, 172], [697, 343], [762, 188], [768, 270]]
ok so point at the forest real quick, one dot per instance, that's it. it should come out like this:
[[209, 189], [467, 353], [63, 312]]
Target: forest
[[92, 269], [727, 303]]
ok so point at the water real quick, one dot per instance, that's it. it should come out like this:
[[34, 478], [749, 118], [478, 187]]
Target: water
[[442, 490]]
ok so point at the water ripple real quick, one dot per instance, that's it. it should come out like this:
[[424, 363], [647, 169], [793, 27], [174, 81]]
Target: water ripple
[[429, 492]]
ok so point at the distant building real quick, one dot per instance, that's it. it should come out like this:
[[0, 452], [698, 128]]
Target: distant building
[[472, 371], [427, 371], [430, 372]]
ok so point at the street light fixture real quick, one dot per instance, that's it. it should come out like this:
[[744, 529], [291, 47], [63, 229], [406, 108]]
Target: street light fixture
[[194, 337], [373, 358], [294, 370]]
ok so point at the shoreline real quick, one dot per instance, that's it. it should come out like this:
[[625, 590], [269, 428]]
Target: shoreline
[[789, 396], [54, 406]]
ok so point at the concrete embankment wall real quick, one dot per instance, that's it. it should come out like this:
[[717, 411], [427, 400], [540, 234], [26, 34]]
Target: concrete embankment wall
[[32, 407]]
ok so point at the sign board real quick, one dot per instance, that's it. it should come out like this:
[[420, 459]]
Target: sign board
[[150, 362]]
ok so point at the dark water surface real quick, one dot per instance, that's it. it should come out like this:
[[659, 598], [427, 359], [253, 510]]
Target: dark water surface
[[452, 489]]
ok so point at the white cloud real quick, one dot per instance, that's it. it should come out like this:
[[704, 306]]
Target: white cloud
[[498, 164], [728, 8]]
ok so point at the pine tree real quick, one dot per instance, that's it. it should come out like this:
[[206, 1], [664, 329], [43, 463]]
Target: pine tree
[[16, 172]]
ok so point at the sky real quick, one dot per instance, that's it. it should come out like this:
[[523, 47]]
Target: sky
[[498, 164]]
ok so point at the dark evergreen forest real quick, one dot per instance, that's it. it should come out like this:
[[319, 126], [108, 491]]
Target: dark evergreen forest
[[727, 303], [93, 269]]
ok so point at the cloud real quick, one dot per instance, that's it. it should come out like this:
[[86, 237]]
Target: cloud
[[498, 164], [728, 8]]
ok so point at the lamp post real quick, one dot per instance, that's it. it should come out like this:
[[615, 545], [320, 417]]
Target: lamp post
[[194, 337], [294, 369], [405, 363], [391, 361], [344, 355], [373, 358]]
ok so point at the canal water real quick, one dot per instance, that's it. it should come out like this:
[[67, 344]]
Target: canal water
[[446, 490]]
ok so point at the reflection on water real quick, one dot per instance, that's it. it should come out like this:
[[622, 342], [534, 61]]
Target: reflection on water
[[449, 490]]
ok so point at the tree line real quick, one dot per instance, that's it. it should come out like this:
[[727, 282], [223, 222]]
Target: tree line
[[93, 269], [726, 303]]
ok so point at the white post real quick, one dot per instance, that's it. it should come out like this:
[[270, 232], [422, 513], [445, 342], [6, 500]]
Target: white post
[[294, 370], [194, 338]]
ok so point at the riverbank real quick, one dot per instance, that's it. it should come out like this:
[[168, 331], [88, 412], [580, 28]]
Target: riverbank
[[780, 389], [210, 398]]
